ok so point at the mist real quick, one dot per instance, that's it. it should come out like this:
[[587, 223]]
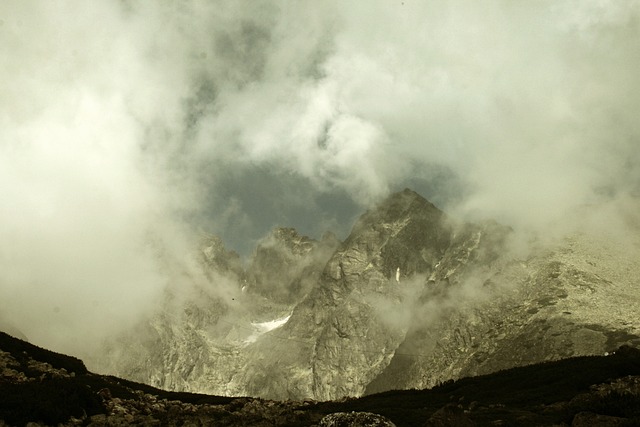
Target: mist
[[128, 128]]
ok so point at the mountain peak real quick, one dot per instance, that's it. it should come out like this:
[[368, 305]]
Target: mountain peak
[[407, 194], [400, 206], [407, 201]]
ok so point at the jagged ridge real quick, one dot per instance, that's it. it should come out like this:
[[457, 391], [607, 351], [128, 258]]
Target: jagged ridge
[[410, 299]]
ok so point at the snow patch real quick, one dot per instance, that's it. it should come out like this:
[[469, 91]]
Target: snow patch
[[260, 328]]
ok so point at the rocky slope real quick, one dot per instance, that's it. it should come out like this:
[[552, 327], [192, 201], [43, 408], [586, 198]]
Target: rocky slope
[[40, 387], [199, 339], [581, 297], [410, 299], [345, 332]]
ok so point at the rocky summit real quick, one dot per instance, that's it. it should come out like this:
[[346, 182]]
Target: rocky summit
[[412, 298]]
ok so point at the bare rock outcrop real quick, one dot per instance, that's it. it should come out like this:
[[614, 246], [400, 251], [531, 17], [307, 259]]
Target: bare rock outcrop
[[355, 419], [411, 299]]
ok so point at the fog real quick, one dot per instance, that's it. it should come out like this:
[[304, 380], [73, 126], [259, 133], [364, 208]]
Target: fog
[[128, 128]]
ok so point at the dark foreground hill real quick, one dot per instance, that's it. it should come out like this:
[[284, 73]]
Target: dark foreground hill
[[37, 385]]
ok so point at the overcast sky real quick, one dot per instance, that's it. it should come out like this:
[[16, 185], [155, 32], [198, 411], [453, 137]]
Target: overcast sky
[[128, 127]]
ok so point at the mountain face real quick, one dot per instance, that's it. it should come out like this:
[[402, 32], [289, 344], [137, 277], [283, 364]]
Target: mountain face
[[411, 299], [199, 339], [284, 266], [575, 299]]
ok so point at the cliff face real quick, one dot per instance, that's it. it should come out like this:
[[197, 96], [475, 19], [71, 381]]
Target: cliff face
[[346, 330], [579, 297], [283, 266], [410, 299], [201, 337]]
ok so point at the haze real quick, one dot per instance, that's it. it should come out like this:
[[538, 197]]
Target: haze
[[128, 128]]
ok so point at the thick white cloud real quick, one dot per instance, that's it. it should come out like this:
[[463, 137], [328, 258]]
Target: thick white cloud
[[81, 201], [531, 105]]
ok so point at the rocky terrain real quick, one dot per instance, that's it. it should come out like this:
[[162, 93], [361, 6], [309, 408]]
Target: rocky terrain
[[578, 298], [411, 299], [198, 340], [40, 387]]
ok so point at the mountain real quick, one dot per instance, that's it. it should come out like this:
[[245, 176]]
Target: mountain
[[198, 339], [411, 299], [345, 333], [40, 387]]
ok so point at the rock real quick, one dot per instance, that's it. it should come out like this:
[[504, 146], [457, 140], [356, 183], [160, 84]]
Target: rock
[[513, 313], [355, 419], [346, 330], [283, 263], [105, 394], [463, 304], [217, 258], [91, 399], [199, 340], [98, 420], [449, 415], [589, 419]]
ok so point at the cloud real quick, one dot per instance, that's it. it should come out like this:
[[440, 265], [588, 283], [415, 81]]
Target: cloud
[[126, 126], [529, 107], [82, 201]]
